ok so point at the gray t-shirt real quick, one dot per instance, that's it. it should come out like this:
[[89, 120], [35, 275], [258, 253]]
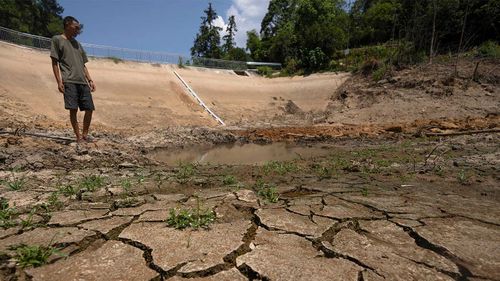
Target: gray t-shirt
[[71, 58]]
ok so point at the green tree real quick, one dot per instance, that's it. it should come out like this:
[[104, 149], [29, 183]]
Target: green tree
[[39, 17], [237, 54], [254, 46], [228, 39], [320, 30], [207, 42]]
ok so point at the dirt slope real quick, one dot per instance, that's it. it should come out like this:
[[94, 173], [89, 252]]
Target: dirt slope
[[144, 96]]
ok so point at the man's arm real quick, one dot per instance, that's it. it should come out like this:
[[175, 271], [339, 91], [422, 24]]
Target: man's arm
[[57, 75], [89, 79]]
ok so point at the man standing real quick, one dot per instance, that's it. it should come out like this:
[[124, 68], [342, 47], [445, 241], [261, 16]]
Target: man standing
[[73, 78]]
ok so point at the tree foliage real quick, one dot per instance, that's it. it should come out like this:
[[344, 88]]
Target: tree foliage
[[39, 17], [310, 33], [207, 42]]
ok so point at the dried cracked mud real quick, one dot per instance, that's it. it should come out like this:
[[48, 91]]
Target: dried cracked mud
[[369, 210]]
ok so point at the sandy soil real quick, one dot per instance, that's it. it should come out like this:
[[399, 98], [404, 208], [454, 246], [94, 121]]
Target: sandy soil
[[144, 96]]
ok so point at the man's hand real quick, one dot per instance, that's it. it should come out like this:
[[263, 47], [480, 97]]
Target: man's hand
[[92, 86], [60, 87]]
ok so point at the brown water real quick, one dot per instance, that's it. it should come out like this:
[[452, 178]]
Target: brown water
[[245, 154]]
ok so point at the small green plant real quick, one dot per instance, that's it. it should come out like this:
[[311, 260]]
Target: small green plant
[[185, 171], [28, 222], [267, 191], [380, 72], [34, 255], [184, 218], [324, 171], [91, 183], [67, 190], [463, 177], [126, 185], [16, 184], [364, 191], [278, 167], [140, 178], [6, 214], [53, 201], [229, 180], [159, 180]]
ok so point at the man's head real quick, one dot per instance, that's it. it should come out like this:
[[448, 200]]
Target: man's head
[[71, 26]]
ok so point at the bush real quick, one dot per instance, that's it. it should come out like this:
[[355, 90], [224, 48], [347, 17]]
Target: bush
[[115, 59], [291, 66], [380, 72], [369, 66], [488, 49], [265, 71]]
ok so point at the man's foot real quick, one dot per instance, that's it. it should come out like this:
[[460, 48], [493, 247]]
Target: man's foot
[[88, 139]]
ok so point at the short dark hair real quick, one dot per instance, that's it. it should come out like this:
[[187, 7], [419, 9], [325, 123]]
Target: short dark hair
[[69, 19]]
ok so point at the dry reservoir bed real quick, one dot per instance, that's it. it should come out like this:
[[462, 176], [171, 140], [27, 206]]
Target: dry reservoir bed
[[387, 209]]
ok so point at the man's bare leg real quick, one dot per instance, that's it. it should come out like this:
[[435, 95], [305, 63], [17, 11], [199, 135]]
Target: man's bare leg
[[86, 123], [74, 123]]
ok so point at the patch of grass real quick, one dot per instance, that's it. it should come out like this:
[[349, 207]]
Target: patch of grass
[[92, 183], [279, 167], [140, 176], [185, 172], [194, 218], [364, 191], [6, 214], [28, 222], [380, 72], [267, 191], [126, 185], [53, 201], [229, 180], [34, 255], [115, 59], [67, 190], [463, 177], [159, 180], [16, 184]]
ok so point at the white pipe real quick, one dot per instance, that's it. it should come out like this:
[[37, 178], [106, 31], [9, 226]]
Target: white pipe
[[200, 102]]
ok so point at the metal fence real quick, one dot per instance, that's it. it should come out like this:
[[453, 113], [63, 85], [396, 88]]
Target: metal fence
[[92, 50]]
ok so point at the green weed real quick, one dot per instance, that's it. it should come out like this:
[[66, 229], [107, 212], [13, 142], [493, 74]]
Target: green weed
[[16, 184], [53, 201], [67, 190], [28, 222], [364, 191], [194, 218], [267, 191], [185, 171], [280, 168], [34, 255], [463, 177], [92, 183], [6, 214], [229, 180], [126, 185]]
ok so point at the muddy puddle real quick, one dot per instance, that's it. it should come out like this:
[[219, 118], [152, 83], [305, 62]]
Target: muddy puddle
[[246, 154]]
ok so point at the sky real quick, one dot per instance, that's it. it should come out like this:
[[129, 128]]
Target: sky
[[158, 25]]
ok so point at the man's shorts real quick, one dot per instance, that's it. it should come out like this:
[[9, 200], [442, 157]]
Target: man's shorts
[[78, 96]]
